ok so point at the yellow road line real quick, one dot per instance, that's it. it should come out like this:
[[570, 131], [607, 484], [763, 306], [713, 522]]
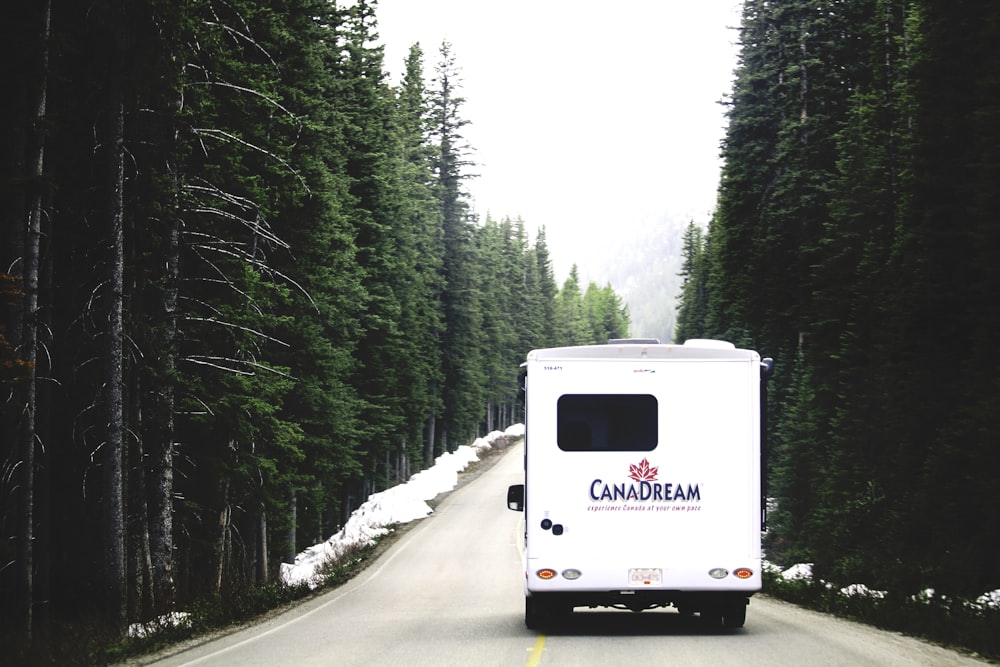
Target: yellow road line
[[536, 652]]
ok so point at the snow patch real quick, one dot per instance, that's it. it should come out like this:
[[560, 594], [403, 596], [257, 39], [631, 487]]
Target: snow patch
[[863, 591], [400, 504], [991, 599], [803, 572], [798, 571]]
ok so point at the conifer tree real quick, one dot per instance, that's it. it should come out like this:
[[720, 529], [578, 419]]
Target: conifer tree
[[546, 290], [367, 105], [419, 280], [692, 311], [607, 317], [571, 322], [846, 197], [464, 391], [323, 327]]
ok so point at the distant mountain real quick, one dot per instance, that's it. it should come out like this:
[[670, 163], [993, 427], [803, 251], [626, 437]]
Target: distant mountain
[[642, 264]]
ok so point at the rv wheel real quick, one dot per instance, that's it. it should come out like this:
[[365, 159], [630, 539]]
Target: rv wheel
[[712, 618], [540, 612], [734, 615], [533, 613]]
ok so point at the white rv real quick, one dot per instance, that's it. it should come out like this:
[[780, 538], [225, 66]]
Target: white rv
[[643, 478]]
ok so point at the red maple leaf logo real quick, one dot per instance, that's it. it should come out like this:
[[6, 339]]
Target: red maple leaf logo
[[643, 472]]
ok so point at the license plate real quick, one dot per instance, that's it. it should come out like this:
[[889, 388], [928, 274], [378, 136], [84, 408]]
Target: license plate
[[645, 576]]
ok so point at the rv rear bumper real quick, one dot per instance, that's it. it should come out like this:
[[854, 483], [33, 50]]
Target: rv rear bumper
[[637, 600]]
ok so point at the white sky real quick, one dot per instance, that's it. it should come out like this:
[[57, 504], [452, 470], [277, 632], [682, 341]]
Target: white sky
[[584, 116]]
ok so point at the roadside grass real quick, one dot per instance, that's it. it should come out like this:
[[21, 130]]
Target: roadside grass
[[87, 642], [961, 625], [237, 607]]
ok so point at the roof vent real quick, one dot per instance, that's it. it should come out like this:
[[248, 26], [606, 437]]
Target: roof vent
[[634, 341]]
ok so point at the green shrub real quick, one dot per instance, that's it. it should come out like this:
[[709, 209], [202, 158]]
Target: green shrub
[[962, 624]]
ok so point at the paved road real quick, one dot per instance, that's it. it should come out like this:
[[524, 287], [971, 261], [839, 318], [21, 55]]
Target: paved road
[[449, 593]]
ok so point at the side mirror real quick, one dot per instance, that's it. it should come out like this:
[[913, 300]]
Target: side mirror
[[515, 497]]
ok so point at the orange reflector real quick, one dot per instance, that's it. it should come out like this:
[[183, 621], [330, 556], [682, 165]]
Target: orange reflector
[[546, 573], [743, 572]]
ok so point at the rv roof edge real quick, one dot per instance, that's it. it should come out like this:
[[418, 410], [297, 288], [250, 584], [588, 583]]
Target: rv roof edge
[[710, 343], [634, 341]]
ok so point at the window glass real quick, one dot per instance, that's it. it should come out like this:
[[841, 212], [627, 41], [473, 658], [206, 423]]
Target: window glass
[[606, 422]]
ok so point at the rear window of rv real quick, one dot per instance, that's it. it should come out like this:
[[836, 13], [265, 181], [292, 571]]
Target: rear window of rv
[[606, 422]]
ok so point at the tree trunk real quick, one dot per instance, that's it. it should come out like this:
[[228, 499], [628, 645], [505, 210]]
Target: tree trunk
[[402, 463], [804, 84], [222, 545], [140, 589], [429, 447], [113, 459], [290, 537], [139, 581], [162, 459], [29, 345], [262, 564]]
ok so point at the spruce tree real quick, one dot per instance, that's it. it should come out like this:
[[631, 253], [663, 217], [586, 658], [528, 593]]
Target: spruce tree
[[546, 289], [419, 280], [464, 390], [693, 305], [571, 322], [607, 316]]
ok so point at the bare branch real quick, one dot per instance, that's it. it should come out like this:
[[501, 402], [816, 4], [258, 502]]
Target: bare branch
[[270, 369], [216, 362], [212, 320], [242, 35], [194, 398], [225, 280], [257, 228], [204, 361], [222, 135], [206, 305], [270, 100], [242, 202], [264, 267]]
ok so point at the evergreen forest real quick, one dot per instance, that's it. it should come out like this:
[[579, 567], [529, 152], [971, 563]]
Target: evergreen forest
[[856, 240], [241, 288]]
